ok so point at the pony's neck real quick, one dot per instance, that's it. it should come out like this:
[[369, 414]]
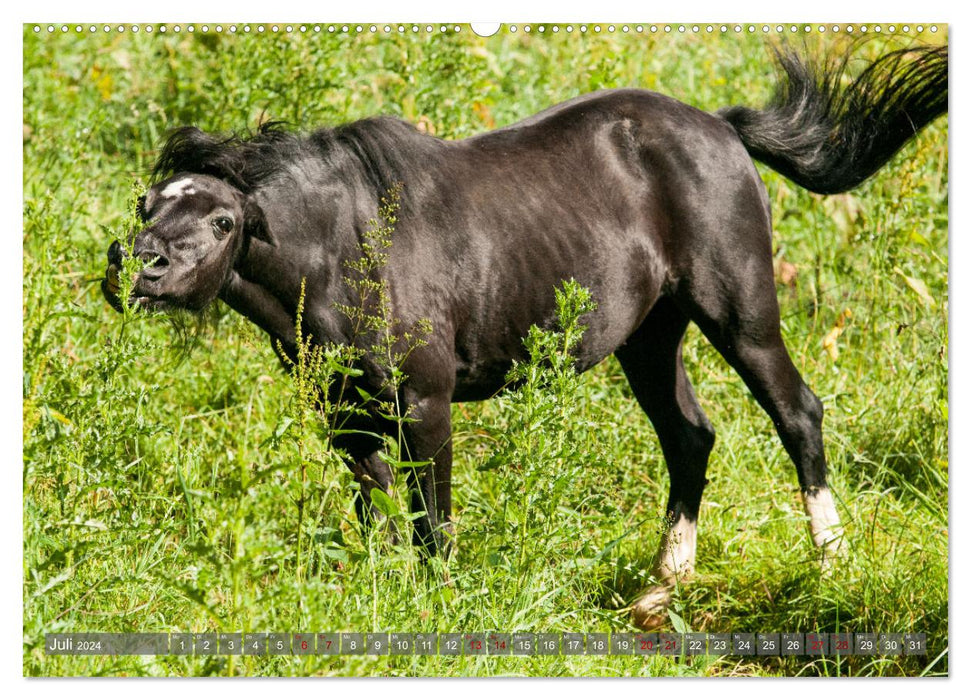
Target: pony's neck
[[249, 293]]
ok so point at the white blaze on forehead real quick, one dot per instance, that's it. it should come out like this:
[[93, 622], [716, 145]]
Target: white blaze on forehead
[[676, 557], [178, 188], [824, 521]]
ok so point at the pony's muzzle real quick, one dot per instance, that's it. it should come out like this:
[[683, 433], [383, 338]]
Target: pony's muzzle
[[116, 256]]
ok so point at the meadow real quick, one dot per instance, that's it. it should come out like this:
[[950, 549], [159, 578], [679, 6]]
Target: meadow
[[174, 479]]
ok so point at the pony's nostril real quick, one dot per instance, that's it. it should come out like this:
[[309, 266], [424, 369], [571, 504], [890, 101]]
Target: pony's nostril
[[152, 258], [156, 263]]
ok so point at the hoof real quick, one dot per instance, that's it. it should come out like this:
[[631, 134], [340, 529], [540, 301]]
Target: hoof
[[830, 555], [650, 611]]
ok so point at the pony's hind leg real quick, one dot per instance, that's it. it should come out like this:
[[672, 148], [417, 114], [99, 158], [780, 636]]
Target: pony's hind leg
[[651, 359], [739, 314]]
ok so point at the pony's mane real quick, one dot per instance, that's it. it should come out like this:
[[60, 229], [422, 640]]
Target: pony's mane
[[242, 161], [389, 150]]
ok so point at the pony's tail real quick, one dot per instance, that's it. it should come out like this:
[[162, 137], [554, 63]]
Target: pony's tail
[[829, 138]]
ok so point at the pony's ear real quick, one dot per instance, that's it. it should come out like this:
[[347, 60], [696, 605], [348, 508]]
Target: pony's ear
[[254, 222]]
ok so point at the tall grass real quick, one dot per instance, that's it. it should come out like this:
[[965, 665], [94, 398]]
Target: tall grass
[[167, 490]]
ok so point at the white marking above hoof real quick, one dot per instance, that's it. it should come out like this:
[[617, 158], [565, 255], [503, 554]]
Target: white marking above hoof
[[179, 188], [676, 555], [675, 563], [824, 523]]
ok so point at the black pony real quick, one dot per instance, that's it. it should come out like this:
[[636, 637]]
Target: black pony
[[654, 206]]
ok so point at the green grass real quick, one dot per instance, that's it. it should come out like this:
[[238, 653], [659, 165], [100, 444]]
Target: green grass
[[162, 470]]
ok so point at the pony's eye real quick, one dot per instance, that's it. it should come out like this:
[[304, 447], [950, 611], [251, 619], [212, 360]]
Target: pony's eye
[[223, 225]]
